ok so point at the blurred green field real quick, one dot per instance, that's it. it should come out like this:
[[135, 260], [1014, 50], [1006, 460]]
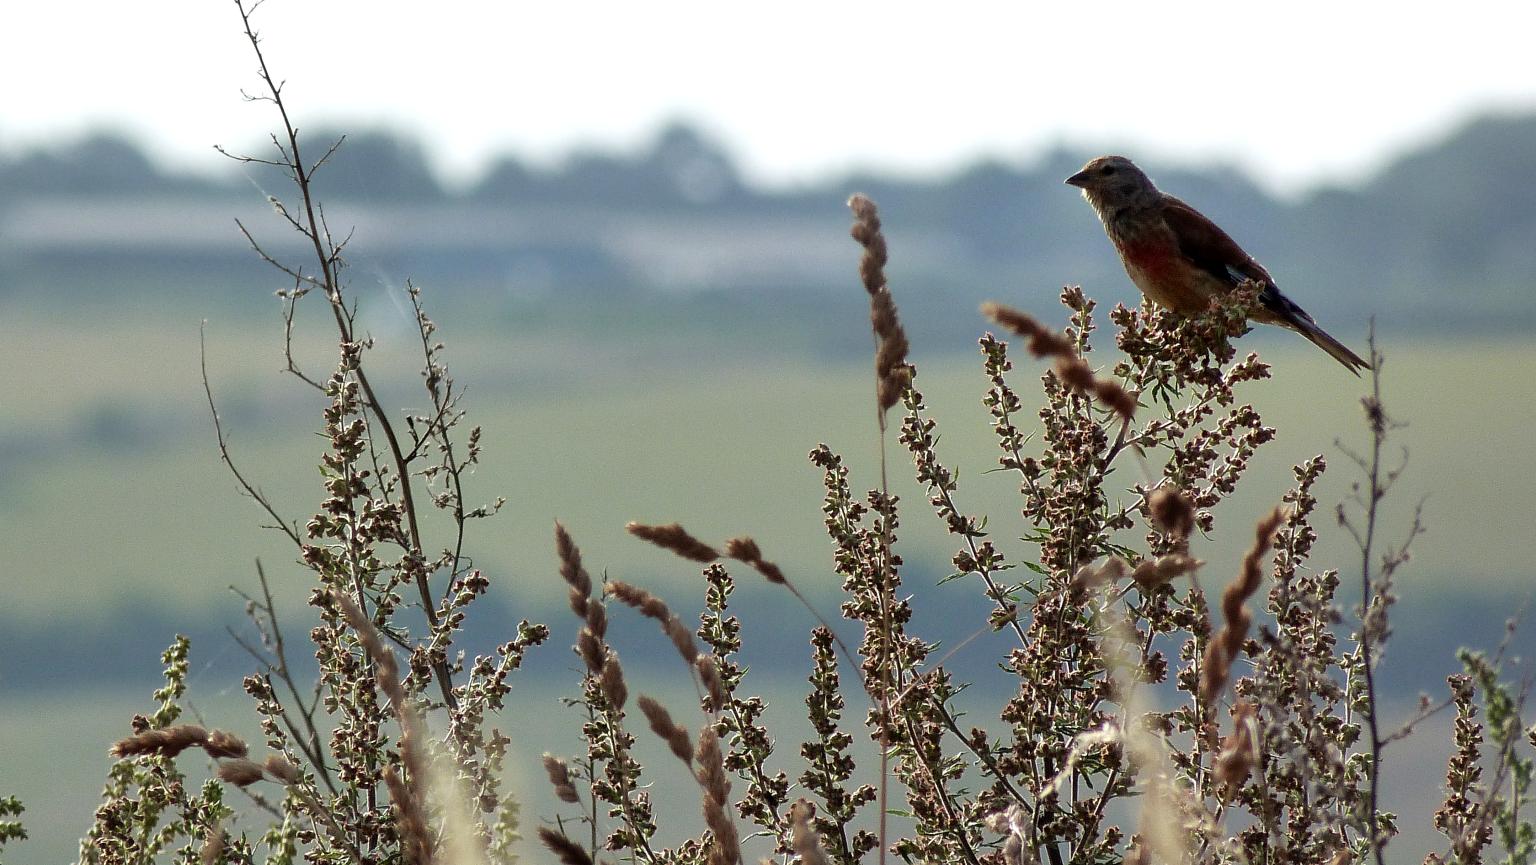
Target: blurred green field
[[153, 520], [121, 524]]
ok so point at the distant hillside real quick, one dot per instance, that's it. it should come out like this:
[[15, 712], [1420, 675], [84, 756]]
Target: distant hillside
[[1442, 238]]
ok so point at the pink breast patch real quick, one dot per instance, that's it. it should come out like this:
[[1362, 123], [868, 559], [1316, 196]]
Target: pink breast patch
[[1153, 258]]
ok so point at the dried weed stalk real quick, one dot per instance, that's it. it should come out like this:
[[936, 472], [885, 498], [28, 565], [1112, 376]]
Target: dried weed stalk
[[351, 749]]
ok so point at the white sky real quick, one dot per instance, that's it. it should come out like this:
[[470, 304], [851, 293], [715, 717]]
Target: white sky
[[1294, 92]]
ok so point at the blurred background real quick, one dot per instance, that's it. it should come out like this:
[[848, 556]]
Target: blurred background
[[628, 222]]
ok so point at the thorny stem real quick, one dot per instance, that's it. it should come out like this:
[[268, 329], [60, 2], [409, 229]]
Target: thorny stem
[[591, 767], [994, 591], [442, 419], [316, 808], [1052, 852], [1018, 457], [933, 773], [1431, 710], [957, 829], [981, 754], [758, 770], [309, 740], [885, 578], [1374, 495], [1048, 764], [313, 229], [251, 491], [625, 788], [1114, 449], [290, 307]]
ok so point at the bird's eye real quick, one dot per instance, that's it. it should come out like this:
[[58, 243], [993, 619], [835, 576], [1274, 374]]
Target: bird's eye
[[1107, 170]]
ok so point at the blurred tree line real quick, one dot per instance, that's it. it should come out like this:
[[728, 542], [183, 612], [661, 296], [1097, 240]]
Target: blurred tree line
[[1441, 237]]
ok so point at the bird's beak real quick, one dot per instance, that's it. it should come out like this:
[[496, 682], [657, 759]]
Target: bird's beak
[[1080, 180]]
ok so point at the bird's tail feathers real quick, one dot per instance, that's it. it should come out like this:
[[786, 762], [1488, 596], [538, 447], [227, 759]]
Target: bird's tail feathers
[[1294, 317], [1320, 338]]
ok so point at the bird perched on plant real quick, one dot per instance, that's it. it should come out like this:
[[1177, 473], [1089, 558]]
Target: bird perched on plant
[[1180, 259]]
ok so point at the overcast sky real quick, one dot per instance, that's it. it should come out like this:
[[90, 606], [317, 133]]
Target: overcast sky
[[1294, 92]]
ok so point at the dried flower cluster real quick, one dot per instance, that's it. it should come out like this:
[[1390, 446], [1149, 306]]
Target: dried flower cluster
[[1073, 370], [676, 539], [1228, 644], [892, 373]]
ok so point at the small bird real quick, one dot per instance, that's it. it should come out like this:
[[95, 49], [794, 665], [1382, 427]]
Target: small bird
[[1179, 258]]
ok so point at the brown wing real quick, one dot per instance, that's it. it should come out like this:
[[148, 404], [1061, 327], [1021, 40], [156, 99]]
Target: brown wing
[[1213, 251], [1208, 247]]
